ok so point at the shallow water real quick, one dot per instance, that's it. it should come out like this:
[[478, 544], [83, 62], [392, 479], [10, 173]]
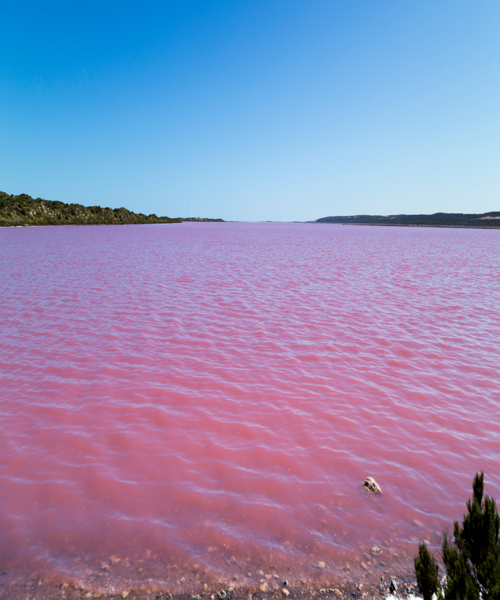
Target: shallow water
[[214, 394]]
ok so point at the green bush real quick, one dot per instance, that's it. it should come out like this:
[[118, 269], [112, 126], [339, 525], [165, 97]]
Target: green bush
[[472, 557], [426, 570]]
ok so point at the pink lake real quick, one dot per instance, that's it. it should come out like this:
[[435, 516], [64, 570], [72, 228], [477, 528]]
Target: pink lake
[[214, 394]]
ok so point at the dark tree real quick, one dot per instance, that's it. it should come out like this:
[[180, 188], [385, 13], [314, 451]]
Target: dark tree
[[472, 559], [426, 570]]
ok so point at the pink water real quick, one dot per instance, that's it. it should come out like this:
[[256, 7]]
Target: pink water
[[215, 394]]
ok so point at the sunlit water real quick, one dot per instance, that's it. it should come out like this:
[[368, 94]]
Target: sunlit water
[[215, 395]]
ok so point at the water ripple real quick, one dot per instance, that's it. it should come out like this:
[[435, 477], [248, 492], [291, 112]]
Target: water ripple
[[185, 388]]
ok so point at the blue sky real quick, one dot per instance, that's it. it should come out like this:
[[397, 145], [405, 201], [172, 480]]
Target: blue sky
[[253, 110]]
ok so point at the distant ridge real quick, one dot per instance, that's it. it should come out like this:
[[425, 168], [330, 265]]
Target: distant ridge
[[484, 220], [23, 210]]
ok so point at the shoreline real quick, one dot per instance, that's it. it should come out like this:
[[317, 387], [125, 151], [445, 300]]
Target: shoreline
[[489, 227], [200, 220], [271, 585], [141, 579]]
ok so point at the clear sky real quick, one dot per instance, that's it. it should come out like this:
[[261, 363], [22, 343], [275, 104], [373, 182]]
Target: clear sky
[[253, 110]]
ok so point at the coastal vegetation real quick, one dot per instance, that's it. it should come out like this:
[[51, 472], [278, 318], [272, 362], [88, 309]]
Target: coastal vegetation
[[426, 569], [471, 557], [488, 220], [24, 210]]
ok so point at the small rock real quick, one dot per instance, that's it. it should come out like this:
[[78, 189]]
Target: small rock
[[364, 566], [269, 576], [124, 594], [320, 564], [285, 592], [205, 587], [275, 576], [264, 587], [375, 550], [233, 560], [197, 597], [303, 580], [337, 592], [372, 486], [286, 583], [393, 587], [222, 594]]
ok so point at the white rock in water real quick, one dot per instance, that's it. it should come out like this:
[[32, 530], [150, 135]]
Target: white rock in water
[[372, 486]]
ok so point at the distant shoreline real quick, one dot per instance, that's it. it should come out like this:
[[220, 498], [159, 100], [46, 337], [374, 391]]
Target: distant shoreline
[[490, 220], [25, 211], [491, 228]]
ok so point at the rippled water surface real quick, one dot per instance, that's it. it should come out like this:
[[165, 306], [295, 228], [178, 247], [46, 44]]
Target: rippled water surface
[[216, 393]]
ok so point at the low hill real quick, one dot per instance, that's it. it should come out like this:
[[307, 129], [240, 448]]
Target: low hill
[[25, 210], [484, 220]]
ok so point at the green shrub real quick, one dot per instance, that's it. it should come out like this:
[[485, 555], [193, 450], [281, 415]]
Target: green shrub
[[426, 570], [472, 557]]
